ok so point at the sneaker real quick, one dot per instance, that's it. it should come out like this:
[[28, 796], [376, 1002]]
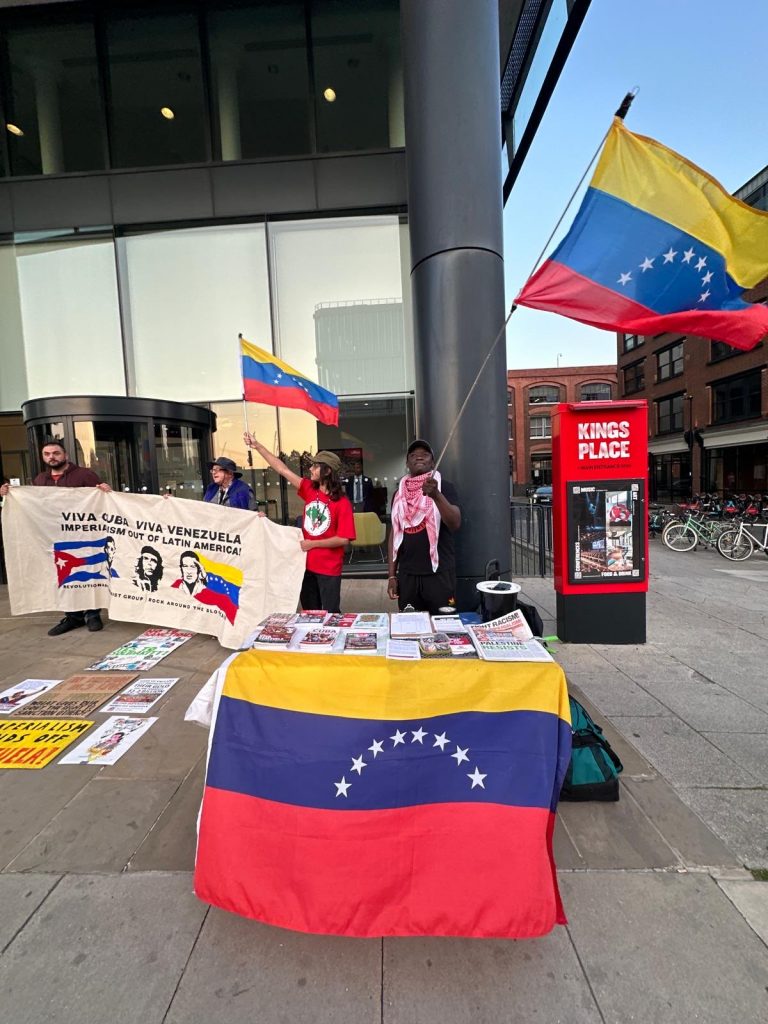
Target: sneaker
[[65, 626], [94, 623]]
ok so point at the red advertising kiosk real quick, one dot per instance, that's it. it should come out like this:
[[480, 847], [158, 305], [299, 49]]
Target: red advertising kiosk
[[600, 481]]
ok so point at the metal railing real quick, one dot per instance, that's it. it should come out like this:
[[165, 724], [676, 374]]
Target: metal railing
[[532, 532]]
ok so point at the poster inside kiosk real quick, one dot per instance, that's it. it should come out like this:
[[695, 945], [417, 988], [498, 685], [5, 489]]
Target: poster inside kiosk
[[605, 521]]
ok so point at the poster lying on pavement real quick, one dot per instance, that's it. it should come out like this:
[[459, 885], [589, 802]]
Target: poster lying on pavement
[[139, 697], [109, 742], [34, 742], [142, 653], [188, 564], [22, 693], [78, 695]]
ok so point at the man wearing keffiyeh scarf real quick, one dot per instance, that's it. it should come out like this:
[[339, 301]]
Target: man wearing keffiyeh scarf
[[425, 514]]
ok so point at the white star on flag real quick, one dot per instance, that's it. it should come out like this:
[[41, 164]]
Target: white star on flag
[[399, 737], [688, 255], [647, 264], [477, 778], [669, 256], [461, 755], [358, 764], [418, 735], [707, 277], [377, 747], [701, 262], [60, 562], [623, 278], [440, 741], [704, 296], [342, 787]]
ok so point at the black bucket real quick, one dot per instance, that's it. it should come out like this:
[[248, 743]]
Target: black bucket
[[497, 597]]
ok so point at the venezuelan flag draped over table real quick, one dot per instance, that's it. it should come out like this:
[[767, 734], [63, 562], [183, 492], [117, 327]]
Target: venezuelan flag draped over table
[[270, 381], [657, 245], [365, 797]]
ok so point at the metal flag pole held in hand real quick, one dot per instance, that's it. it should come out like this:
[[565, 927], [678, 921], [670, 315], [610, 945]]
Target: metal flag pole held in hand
[[622, 111]]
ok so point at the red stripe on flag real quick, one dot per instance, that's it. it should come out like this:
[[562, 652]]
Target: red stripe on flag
[[289, 398], [557, 289], [479, 870]]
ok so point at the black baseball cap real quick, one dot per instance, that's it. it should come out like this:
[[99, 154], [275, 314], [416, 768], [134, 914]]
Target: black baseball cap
[[420, 443]]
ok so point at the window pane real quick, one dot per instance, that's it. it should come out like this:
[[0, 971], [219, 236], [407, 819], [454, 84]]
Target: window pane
[[54, 100], [180, 469], [358, 74], [543, 394], [260, 80], [70, 317], [189, 293], [228, 441], [13, 374], [154, 66], [595, 392]]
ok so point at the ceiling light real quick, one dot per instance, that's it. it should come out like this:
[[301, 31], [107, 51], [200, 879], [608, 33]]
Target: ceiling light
[[329, 94], [167, 113], [14, 129]]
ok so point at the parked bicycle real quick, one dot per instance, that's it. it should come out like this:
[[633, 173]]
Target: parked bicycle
[[687, 535], [738, 544]]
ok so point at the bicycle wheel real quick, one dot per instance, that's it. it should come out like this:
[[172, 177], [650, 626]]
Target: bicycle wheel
[[678, 537], [735, 545]]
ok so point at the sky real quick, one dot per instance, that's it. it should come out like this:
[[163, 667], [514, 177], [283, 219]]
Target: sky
[[699, 67]]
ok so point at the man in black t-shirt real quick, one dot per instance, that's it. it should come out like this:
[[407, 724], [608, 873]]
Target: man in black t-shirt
[[425, 515]]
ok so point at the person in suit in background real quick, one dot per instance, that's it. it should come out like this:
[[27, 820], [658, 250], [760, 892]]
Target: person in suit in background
[[359, 489]]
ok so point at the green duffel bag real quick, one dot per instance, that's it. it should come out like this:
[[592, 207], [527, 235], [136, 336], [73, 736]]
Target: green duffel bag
[[593, 773]]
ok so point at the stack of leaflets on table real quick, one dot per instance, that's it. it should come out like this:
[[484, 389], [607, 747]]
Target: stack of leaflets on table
[[358, 641], [274, 638], [495, 645], [435, 645], [448, 624], [410, 625], [342, 620], [403, 650], [373, 620], [277, 619], [309, 618], [318, 640], [461, 645]]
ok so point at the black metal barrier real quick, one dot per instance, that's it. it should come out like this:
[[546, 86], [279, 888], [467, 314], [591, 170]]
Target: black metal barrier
[[532, 534]]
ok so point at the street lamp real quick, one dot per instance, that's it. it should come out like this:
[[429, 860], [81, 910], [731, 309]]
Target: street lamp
[[689, 436]]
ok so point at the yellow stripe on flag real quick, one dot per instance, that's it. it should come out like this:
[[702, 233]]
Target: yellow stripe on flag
[[227, 572], [247, 348]]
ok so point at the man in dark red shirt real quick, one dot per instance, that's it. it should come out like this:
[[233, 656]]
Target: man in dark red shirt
[[63, 473]]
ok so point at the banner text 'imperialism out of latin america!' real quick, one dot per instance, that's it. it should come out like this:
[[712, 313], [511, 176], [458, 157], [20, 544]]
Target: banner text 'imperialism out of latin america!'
[[179, 563]]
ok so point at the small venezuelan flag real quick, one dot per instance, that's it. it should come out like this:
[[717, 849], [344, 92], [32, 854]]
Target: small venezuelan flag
[[369, 798], [222, 586], [270, 381], [657, 245]]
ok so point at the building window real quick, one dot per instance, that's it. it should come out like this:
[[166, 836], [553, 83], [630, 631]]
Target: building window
[[632, 341], [720, 350], [544, 394], [509, 396], [595, 392], [669, 362], [669, 414], [540, 426], [634, 377], [671, 476], [737, 398], [510, 432]]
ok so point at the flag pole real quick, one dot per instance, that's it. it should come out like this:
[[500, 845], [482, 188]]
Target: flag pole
[[621, 113], [249, 453]]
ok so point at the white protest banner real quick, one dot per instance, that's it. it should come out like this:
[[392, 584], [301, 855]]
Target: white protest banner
[[167, 562]]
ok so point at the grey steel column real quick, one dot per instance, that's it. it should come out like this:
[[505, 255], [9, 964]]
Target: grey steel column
[[453, 152]]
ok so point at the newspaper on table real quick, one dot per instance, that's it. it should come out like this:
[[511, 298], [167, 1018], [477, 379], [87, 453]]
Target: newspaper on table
[[410, 625], [109, 742], [139, 697], [493, 645], [514, 624], [144, 652], [78, 696], [22, 693]]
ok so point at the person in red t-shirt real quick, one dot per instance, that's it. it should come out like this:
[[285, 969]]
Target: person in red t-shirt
[[328, 524]]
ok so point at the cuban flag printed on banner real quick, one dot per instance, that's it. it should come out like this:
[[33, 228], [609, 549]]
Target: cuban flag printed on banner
[[78, 561]]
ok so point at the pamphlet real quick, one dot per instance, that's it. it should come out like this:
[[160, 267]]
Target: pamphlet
[[109, 742], [513, 624], [139, 697], [403, 650], [319, 640], [435, 645], [78, 696], [361, 642], [22, 693], [274, 638], [461, 645], [314, 617], [342, 620], [34, 742], [373, 620], [448, 624], [410, 624]]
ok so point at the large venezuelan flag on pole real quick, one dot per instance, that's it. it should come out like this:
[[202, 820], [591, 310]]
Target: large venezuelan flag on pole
[[364, 797], [270, 381], [657, 245]]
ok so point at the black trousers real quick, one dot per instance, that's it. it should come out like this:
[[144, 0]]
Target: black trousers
[[320, 592], [82, 616], [427, 593]]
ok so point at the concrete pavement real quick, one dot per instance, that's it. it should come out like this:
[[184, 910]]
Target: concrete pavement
[[666, 922]]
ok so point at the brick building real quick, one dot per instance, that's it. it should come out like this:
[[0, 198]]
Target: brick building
[[707, 402], [531, 397]]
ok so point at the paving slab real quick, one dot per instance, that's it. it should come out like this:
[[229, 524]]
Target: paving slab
[[170, 846], [615, 835], [681, 754], [665, 948], [634, 762], [748, 749], [751, 899], [100, 829], [566, 855], [241, 972], [618, 695], [431, 981], [706, 705], [102, 948], [738, 816], [20, 896]]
